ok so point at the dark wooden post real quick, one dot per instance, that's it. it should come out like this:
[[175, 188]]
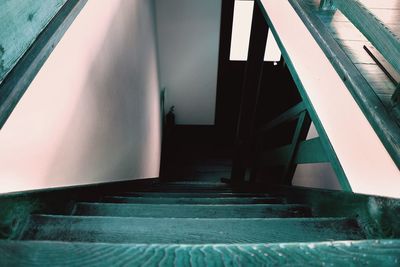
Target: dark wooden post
[[250, 91]]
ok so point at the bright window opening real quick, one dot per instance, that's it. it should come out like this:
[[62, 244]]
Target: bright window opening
[[242, 17], [241, 29]]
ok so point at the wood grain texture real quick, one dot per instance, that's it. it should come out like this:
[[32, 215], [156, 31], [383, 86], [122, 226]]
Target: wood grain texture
[[192, 195], [189, 231], [193, 211], [21, 21], [331, 29], [357, 253], [193, 200], [30, 60]]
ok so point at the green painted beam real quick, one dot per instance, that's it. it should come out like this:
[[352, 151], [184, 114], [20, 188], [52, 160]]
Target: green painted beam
[[309, 151], [21, 21], [376, 113], [300, 134], [336, 165], [30, 30], [289, 115], [191, 194], [339, 253], [376, 32], [189, 231], [192, 211]]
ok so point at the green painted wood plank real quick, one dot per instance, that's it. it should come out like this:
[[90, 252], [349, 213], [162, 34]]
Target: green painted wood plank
[[191, 195], [189, 231], [21, 21], [388, 16], [289, 115], [348, 253], [376, 32], [387, 4], [345, 30], [299, 135], [382, 121], [30, 61], [193, 211], [377, 78], [309, 151], [355, 51], [379, 217], [193, 200]]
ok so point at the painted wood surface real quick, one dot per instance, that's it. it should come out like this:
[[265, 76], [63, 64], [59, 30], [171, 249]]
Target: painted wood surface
[[352, 39], [192, 211], [345, 253], [104, 234], [193, 200], [189, 230], [21, 21], [374, 29], [327, 94], [340, 39], [23, 71]]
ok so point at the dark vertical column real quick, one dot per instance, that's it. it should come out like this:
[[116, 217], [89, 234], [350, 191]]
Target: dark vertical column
[[250, 91], [230, 77]]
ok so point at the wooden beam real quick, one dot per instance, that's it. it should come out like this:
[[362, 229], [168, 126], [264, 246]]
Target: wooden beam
[[250, 92], [288, 115], [300, 134], [376, 113], [309, 151], [18, 79], [325, 91]]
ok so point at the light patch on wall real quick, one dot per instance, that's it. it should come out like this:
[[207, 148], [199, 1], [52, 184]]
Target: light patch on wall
[[272, 51], [242, 17]]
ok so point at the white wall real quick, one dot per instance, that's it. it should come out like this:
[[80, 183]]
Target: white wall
[[92, 113], [188, 37]]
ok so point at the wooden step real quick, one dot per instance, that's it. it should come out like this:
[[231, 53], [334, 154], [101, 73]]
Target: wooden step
[[360, 253], [192, 195], [194, 200], [189, 231], [193, 211]]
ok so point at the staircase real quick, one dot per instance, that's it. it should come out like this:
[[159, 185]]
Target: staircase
[[190, 223]]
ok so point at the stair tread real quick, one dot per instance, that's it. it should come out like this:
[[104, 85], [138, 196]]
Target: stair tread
[[193, 194], [193, 200], [191, 231], [193, 211], [43, 253]]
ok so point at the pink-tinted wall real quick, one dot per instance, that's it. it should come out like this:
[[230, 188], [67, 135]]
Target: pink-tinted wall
[[92, 114]]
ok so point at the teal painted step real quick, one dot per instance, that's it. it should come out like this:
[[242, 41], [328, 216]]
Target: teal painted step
[[192, 195], [359, 253], [193, 200], [193, 211], [189, 231], [187, 187]]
